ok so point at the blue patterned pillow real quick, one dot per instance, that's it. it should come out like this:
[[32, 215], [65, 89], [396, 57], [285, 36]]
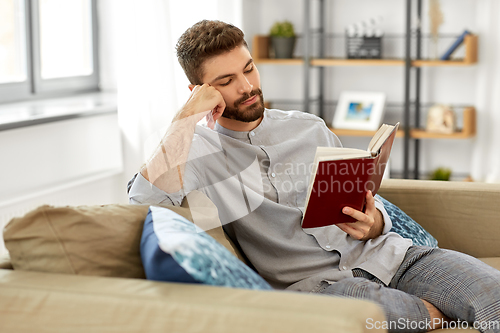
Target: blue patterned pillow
[[175, 250], [405, 226]]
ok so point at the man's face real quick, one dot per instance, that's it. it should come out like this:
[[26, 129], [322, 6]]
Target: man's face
[[236, 77]]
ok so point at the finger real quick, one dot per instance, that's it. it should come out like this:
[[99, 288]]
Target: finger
[[219, 109], [350, 230], [370, 203], [362, 226], [356, 214], [195, 88], [210, 120]]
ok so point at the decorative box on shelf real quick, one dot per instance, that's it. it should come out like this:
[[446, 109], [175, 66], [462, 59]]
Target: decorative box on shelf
[[364, 47]]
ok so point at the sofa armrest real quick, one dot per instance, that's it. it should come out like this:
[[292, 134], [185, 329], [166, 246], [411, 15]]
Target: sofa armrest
[[70, 303], [462, 216]]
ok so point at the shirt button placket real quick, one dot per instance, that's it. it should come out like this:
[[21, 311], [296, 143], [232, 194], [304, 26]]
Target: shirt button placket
[[251, 136]]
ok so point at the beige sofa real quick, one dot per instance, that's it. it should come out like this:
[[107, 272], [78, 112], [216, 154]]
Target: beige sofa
[[462, 216]]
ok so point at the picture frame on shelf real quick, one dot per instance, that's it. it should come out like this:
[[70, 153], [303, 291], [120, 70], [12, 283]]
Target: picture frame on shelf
[[359, 110]]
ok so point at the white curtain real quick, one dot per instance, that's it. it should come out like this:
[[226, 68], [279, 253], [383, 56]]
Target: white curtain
[[150, 83], [486, 157], [145, 83]]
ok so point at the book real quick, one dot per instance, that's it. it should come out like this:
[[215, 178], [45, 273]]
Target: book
[[454, 46], [342, 176]]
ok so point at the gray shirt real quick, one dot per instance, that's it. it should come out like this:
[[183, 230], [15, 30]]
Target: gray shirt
[[258, 180]]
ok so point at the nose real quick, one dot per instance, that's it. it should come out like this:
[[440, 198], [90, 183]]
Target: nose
[[245, 86]]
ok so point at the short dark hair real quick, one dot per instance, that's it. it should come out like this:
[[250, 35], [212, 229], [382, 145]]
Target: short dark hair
[[204, 40]]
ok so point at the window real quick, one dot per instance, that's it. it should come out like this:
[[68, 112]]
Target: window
[[47, 48], [12, 42]]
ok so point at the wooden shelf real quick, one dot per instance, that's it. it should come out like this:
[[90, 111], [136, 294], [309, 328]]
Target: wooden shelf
[[423, 134], [294, 61], [468, 130], [436, 63], [356, 62], [260, 54], [470, 58], [348, 132]]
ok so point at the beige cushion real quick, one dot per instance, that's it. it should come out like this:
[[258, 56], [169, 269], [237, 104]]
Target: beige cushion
[[95, 240], [85, 240]]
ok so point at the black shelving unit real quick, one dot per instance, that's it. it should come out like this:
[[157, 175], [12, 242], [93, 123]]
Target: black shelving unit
[[407, 77], [412, 64]]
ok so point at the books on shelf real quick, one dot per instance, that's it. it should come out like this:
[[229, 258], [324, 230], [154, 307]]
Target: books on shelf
[[459, 41], [342, 176]]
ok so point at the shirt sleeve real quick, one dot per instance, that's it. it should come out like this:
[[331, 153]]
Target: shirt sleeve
[[332, 138], [387, 220], [143, 192]]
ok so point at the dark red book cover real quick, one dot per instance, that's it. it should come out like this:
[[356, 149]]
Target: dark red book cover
[[345, 182]]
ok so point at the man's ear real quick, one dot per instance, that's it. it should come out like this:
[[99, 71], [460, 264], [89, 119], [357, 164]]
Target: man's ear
[[191, 87]]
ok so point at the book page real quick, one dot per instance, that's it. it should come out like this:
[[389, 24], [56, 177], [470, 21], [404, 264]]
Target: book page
[[337, 153], [377, 136], [385, 132], [347, 156]]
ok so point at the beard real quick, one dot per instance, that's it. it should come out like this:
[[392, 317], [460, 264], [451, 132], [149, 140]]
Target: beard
[[248, 113]]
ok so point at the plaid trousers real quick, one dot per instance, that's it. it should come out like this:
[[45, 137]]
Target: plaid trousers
[[463, 288]]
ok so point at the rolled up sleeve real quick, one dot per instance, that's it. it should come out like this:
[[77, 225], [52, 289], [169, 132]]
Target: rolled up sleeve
[[143, 192], [387, 220]]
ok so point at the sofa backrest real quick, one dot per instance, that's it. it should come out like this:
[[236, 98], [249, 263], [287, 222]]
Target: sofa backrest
[[462, 216], [96, 240]]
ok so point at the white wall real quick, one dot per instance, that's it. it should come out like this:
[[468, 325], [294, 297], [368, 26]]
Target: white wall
[[453, 85], [49, 154], [70, 162]]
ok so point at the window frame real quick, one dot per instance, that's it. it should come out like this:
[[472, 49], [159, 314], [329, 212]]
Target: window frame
[[35, 87]]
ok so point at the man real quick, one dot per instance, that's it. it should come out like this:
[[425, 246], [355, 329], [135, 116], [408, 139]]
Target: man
[[253, 163]]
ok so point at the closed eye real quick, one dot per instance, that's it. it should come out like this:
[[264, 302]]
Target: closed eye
[[248, 71], [226, 83]]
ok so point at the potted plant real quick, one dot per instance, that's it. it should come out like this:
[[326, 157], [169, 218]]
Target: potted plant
[[441, 174], [283, 39]]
